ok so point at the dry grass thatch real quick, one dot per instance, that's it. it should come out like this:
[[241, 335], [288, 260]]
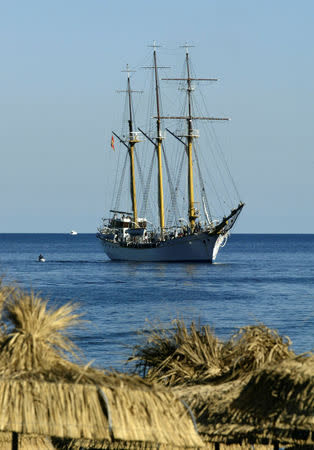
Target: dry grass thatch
[[210, 404], [150, 417], [253, 347], [179, 355], [283, 401], [104, 414], [140, 446], [37, 338], [43, 392], [25, 442], [52, 409], [276, 404], [195, 355]]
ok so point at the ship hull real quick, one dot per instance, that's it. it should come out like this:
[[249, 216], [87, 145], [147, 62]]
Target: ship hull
[[200, 247]]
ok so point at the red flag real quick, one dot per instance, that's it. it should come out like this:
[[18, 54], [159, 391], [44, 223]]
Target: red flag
[[112, 142]]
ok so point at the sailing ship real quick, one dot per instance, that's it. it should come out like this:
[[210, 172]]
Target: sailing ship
[[189, 234]]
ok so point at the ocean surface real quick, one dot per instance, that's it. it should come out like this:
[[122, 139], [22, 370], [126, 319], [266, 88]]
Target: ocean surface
[[257, 278]]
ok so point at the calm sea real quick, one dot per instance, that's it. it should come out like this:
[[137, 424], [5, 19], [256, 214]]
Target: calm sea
[[257, 278]]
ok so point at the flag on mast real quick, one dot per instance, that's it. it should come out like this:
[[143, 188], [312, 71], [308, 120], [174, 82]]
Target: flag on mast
[[112, 142]]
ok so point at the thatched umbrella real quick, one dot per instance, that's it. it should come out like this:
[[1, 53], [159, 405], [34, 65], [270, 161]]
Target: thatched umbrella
[[279, 400], [211, 403], [103, 413], [274, 406], [43, 392], [209, 373], [25, 442], [193, 355]]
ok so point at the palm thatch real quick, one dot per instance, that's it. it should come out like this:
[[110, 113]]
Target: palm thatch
[[210, 404], [283, 403], [25, 442], [98, 413], [252, 347], [37, 339], [52, 409], [156, 417], [43, 392], [275, 404], [210, 446], [195, 355]]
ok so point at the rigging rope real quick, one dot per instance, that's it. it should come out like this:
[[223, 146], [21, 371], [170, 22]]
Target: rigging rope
[[139, 169], [225, 161], [148, 183], [118, 198], [203, 192], [173, 199]]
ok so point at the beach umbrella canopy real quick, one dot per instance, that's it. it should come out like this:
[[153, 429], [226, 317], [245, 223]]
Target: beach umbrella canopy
[[43, 392], [279, 401], [25, 442], [274, 405], [211, 405], [101, 413]]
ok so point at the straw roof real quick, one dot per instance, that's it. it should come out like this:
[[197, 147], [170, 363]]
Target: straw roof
[[25, 442], [43, 392], [190, 355], [95, 413], [52, 409], [283, 403], [210, 404], [275, 404]]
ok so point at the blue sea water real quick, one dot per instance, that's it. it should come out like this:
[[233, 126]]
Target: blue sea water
[[257, 278]]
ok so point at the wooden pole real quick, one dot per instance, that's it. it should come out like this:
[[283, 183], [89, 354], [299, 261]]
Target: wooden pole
[[15, 440]]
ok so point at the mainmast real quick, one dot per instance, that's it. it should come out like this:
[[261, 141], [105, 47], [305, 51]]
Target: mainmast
[[159, 143]]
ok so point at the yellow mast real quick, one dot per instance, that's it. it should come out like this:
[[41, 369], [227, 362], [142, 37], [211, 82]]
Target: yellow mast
[[133, 188], [191, 134], [159, 142], [132, 142], [192, 213]]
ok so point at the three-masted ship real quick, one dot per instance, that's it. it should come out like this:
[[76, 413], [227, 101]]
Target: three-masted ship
[[193, 235]]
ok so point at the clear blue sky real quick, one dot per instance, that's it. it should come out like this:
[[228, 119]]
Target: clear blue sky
[[60, 67]]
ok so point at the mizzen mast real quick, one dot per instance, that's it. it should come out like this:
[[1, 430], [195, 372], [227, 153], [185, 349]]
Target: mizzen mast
[[192, 211], [191, 134]]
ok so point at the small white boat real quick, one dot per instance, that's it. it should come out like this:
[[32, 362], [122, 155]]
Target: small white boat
[[41, 258], [73, 233]]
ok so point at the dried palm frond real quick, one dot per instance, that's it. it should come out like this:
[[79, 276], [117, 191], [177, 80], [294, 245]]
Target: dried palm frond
[[179, 355], [37, 338], [253, 346], [195, 355], [5, 294], [25, 442]]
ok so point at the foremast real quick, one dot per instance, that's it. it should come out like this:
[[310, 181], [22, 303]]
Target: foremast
[[132, 141], [130, 145]]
